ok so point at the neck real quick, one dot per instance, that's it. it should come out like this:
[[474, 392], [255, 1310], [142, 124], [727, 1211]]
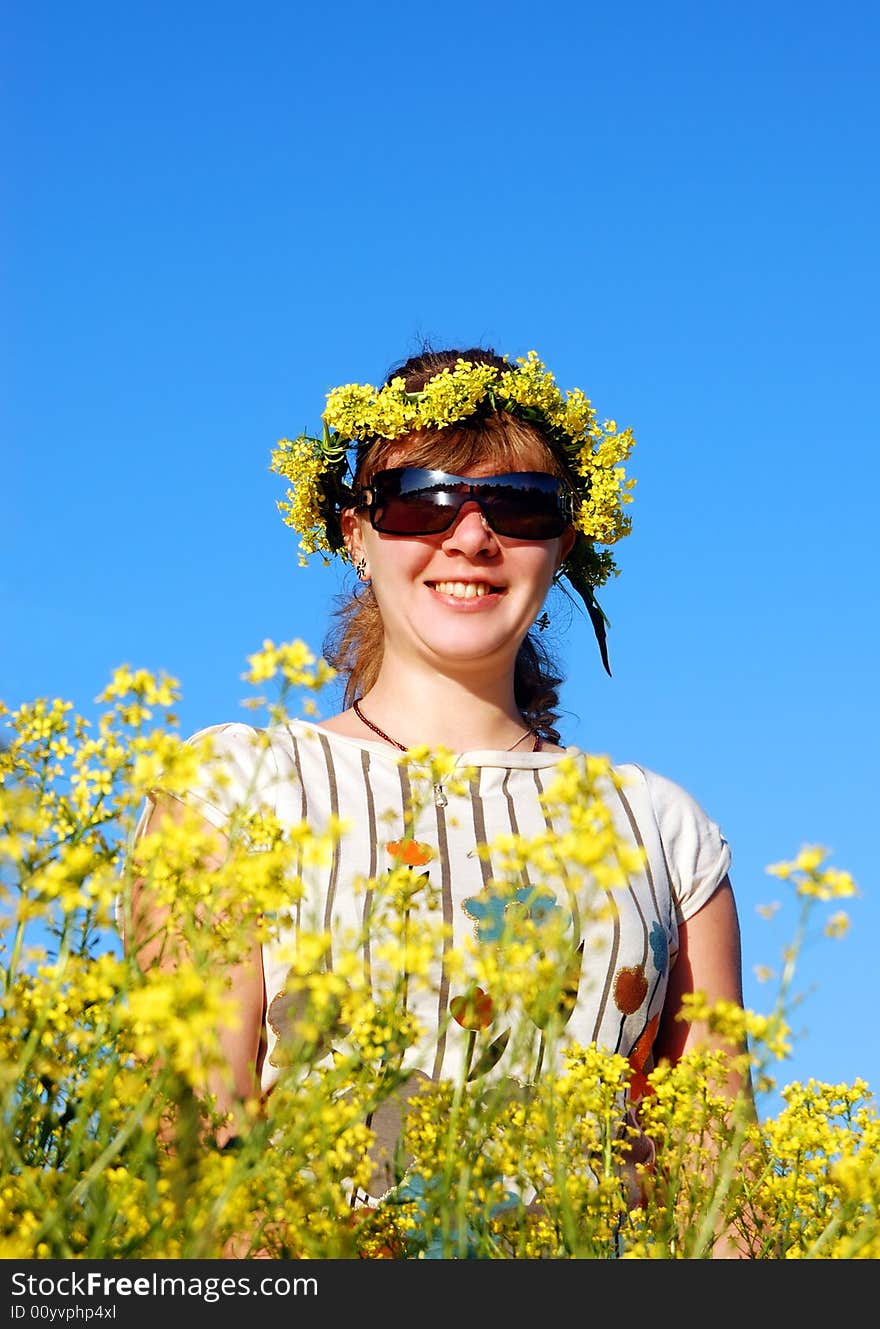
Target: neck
[[432, 708]]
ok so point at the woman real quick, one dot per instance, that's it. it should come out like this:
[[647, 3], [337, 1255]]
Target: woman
[[461, 492]]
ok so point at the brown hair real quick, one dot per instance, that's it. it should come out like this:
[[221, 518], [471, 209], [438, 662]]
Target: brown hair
[[355, 643]]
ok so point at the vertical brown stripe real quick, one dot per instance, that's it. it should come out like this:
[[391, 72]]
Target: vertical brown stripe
[[405, 788], [637, 836], [373, 839], [480, 827], [334, 866], [671, 913], [662, 977], [303, 813], [571, 897], [408, 811], [512, 821], [446, 906], [615, 943]]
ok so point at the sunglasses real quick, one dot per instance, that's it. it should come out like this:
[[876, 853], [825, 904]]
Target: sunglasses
[[527, 505]]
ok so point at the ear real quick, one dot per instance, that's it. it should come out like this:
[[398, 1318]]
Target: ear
[[351, 534], [566, 542]]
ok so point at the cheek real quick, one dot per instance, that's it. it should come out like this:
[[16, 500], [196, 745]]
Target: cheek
[[395, 561], [541, 567], [397, 551]]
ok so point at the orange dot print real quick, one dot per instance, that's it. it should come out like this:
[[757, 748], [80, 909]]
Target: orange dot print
[[630, 988]]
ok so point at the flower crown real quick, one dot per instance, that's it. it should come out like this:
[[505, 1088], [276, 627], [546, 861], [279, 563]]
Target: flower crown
[[320, 470]]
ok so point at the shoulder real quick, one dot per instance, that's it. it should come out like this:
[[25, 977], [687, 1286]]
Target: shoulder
[[231, 745], [695, 850], [233, 740], [226, 736], [243, 752], [237, 765], [668, 798]]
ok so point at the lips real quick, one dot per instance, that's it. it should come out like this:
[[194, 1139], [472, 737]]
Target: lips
[[465, 590]]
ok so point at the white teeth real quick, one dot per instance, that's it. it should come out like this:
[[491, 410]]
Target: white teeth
[[463, 590]]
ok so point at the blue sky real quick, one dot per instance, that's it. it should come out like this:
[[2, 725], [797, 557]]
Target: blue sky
[[216, 212]]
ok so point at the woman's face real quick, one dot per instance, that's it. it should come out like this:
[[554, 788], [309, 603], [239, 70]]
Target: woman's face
[[462, 599]]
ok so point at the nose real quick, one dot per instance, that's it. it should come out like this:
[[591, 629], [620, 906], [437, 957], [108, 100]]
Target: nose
[[470, 533]]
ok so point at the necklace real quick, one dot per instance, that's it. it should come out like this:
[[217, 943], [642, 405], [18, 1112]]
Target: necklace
[[440, 798]]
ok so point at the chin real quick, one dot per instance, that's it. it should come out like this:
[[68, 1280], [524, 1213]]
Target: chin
[[471, 647]]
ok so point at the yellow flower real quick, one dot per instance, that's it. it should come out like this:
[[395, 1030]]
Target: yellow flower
[[813, 880], [837, 925]]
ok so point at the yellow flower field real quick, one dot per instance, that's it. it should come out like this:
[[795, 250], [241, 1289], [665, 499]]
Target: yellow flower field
[[109, 1142]]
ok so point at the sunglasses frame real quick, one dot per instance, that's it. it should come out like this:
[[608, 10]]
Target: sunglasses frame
[[407, 480]]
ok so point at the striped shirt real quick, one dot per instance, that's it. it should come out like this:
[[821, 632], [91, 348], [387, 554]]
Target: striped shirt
[[622, 939]]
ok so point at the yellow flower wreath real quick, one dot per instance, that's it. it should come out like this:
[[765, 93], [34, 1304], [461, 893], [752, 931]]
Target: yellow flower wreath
[[318, 468]]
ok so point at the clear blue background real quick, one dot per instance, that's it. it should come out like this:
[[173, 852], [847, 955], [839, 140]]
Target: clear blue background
[[214, 213]]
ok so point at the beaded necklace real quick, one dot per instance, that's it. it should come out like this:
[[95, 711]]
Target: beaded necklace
[[440, 799]]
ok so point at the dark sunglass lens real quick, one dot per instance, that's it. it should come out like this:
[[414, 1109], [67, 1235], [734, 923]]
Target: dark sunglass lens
[[525, 524], [524, 514], [413, 514]]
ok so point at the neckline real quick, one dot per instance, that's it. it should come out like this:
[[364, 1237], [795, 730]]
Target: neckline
[[475, 756], [537, 741]]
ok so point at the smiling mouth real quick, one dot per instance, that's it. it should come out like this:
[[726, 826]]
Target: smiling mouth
[[465, 590]]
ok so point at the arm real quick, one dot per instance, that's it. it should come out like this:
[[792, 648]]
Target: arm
[[151, 944], [709, 961]]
